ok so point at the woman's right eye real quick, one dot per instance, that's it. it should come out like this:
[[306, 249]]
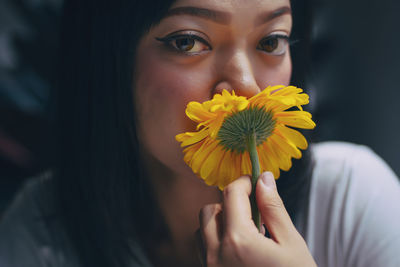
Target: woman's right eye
[[186, 43], [275, 44]]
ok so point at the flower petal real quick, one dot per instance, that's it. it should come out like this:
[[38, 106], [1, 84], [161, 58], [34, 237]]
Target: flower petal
[[189, 152], [193, 137], [288, 90], [226, 170], [246, 164], [200, 155], [211, 163], [288, 147], [298, 119], [236, 165], [283, 159], [271, 161], [196, 112], [294, 136]]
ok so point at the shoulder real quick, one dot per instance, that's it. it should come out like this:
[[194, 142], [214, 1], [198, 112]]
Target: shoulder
[[30, 232], [353, 217], [341, 164], [345, 155]]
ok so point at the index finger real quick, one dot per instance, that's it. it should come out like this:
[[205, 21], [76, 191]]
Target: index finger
[[237, 211]]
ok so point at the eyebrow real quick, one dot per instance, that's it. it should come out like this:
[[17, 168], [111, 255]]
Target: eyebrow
[[224, 17], [214, 15], [270, 15]]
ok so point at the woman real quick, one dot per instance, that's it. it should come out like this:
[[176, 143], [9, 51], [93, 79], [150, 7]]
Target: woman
[[121, 195]]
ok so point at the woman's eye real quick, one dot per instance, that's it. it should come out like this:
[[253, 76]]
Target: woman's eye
[[274, 44], [186, 43]]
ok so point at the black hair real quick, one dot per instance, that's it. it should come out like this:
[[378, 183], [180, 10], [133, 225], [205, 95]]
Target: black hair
[[294, 185], [98, 173]]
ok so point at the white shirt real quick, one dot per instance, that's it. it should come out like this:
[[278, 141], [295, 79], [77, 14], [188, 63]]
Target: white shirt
[[354, 208]]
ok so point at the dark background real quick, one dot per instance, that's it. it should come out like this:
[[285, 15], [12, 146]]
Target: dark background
[[353, 83], [356, 70]]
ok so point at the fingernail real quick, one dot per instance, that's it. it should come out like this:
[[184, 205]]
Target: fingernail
[[268, 180]]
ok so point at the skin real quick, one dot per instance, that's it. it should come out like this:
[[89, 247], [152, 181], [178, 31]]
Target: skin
[[169, 75]]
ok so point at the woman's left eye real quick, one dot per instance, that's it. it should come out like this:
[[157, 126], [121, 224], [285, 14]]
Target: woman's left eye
[[274, 44], [186, 43]]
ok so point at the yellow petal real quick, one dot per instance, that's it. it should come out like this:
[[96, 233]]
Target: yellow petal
[[211, 163], [264, 163], [298, 119], [286, 146], [215, 126], [242, 105], [189, 152], [217, 107], [294, 113], [200, 155], [236, 165], [197, 113], [283, 159], [225, 93], [226, 169], [246, 163], [214, 176], [295, 136], [270, 159], [196, 137], [289, 90], [302, 123], [183, 136], [273, 89]]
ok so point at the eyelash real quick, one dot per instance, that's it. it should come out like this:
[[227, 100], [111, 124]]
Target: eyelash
[[279, 38], [170, 38]]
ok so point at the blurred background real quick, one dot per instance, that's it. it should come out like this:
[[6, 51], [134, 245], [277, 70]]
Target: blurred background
[[28, 47], [353, 82]]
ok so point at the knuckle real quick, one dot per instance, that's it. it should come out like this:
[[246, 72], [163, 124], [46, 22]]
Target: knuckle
[[274, 202], [234, 244], [242, 184], [208, 210], [229, 190], [212, 259]]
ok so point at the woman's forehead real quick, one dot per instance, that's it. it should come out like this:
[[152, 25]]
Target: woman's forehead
[[224, 12], [231, 3], [228, 8]]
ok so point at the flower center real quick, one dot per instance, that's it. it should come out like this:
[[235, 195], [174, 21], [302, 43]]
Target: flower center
[[238, 127]]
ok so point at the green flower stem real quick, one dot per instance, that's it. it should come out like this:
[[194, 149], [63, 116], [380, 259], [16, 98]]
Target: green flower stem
[[255, 173]]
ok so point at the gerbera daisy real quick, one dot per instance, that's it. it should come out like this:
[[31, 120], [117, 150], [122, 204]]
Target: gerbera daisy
[[228, 124]]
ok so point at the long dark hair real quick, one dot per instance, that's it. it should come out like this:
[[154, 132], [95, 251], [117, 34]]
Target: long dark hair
[[98, 172]]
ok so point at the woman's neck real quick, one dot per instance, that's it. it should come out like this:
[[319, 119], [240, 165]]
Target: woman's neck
[[180, 199]]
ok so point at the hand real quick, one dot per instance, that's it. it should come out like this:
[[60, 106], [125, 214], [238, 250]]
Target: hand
[[230, 238]]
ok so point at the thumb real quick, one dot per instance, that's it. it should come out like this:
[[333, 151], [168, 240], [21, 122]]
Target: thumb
[[273, 212]]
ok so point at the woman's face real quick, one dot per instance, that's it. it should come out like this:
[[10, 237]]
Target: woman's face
[[197, 50]]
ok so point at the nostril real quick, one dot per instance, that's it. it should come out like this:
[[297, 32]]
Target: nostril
[[241, 89], [220, 86], [247, 90]]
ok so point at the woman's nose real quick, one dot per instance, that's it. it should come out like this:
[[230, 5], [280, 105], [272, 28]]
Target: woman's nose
[[236, 73]]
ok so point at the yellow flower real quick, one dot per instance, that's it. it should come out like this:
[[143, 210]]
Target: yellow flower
[[217, 151]]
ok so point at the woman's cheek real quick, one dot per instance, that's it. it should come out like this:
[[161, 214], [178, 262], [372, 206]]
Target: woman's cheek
[[275, 75], [162, 93]]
